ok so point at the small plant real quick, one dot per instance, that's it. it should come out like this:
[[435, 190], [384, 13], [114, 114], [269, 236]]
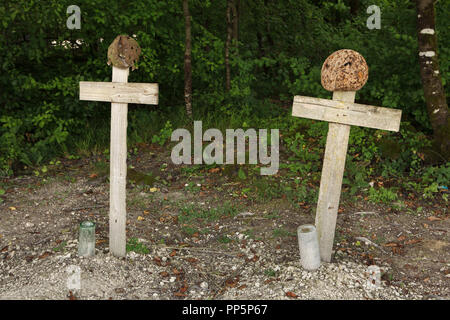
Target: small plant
[[164, 134], [2, 192], [191, 213], [60, 247], [136, 246], [192, 187], [280, 233], [270, 273], [224, 239], [190, 231], [382, 195]]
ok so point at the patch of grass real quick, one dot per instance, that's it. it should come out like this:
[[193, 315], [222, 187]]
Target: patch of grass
[[270, 273], [382, 195], [136, 246], [191, 213], [271, 216], [60, 247], [224, 239], [192, 187], [101, 168], [280, 233], [190, 231]]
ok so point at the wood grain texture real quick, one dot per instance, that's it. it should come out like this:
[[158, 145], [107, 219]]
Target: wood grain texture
[[331, 180], [345, 112], [141, 93], [118, 171]]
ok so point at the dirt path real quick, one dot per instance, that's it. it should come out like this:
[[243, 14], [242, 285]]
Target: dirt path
[[201, 235]]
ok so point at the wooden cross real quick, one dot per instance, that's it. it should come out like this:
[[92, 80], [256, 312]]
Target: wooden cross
[[122, 53], [343, 72]]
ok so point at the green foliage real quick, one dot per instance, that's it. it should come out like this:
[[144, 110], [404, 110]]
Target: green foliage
[[281, 48], [164, 134], [135, 245], [191, 213], [382, 195]]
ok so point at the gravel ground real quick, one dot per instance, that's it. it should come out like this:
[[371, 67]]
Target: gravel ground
[[164, 273]]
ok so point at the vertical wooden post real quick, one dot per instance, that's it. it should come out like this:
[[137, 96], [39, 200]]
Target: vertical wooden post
[[331, 180], [343, 72], [118, 171]]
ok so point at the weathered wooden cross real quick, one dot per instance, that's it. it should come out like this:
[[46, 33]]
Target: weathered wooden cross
[[343, 72], [122, 53]]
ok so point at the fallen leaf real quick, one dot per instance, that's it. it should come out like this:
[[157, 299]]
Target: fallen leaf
[[12, 208], [413, 241], [71, 296], [397, 250], [179, 294], [401, 238], [4, 249], [44, 255], [214, 170], [391, 244], [291, 294], [242, 287], [425, 226], [184, 288], [140, 218], [195, 235], [176, 271], [146, 212], [157, 260], [92, 176], [433, 218], [232, 282], [192, 260], [153, 189], [164, 274], [173, 253]]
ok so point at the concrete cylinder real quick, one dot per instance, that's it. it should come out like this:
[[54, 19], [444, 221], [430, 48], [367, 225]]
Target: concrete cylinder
[[308, 243]]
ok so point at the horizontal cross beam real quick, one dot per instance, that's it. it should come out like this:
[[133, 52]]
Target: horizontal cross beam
[[141, 93], [347, 113]]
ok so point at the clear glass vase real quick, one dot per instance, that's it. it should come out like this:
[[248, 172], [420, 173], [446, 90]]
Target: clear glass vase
[[86, 241]]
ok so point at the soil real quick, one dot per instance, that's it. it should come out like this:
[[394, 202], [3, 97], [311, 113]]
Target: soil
[[249, 254]]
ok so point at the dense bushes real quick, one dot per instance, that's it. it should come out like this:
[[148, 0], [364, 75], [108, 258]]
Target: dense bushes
[[282, 45]]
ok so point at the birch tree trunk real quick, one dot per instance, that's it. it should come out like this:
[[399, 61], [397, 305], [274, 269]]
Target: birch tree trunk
[[433, 89], [187, 59]]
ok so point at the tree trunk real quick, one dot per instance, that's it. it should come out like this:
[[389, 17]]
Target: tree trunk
[[235, 9], [187, 60], [227, 46], [433, 89]]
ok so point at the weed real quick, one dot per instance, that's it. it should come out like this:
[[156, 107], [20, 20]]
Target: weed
[[60, 247], [382, 195], [136, 246], [280, 233], [270, 273], [224, 239]]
